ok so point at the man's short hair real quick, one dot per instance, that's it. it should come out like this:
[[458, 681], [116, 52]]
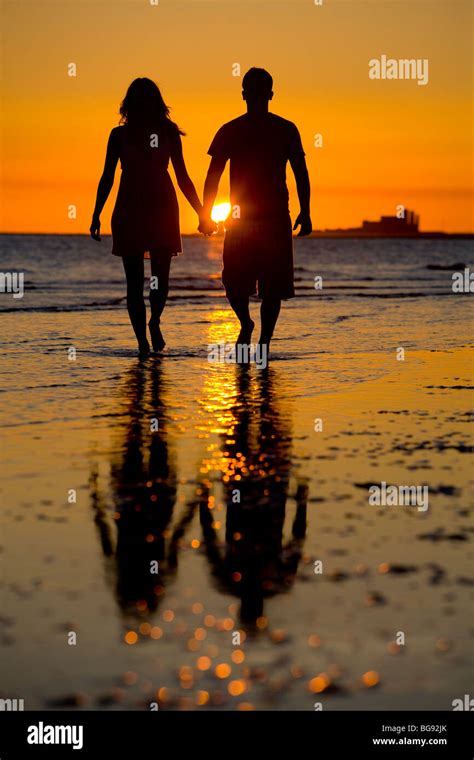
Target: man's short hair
[[257, 81]]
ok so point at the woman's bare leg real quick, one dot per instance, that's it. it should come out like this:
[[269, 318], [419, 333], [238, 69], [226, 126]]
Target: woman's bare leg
[[134, 272], [160, 269]]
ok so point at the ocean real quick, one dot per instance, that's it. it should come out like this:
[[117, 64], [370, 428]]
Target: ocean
[[75, 273]]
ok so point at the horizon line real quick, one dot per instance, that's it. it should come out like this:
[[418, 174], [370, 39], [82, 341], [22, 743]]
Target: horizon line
[[331, 232]]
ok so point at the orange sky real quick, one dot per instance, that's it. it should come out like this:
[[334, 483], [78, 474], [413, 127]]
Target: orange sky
[[384, 142]]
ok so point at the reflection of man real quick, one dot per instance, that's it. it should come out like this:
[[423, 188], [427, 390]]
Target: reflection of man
[[258, 250], [255, 563]]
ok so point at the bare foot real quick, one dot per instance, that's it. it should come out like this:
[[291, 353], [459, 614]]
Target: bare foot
[[245, 334], [157, 339], [143, 349]]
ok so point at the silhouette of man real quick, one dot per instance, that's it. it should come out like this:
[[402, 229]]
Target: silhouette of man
[[258, 246], [255, 562]]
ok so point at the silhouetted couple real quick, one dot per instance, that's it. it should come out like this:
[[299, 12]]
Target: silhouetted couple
[[258, 246]]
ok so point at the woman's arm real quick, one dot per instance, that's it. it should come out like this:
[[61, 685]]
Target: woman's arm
[[183, 179], [106, 181], [211, 185]]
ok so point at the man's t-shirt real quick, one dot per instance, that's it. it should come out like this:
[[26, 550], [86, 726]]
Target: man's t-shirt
[[258, 148]]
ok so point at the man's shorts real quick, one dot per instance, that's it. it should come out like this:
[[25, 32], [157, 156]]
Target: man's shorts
[[258, 258]]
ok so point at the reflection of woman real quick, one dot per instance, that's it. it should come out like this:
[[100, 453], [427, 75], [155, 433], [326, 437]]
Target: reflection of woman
[[143, 486], [145, 217], [256, 564]]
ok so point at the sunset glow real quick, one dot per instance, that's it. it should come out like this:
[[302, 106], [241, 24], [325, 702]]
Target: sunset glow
[[370, 144], [220, 212]]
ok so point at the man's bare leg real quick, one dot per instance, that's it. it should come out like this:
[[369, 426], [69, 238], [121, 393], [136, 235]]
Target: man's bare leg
[[269, 311], [241, 308]]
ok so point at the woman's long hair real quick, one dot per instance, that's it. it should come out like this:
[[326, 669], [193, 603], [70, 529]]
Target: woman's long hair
[[143, 106]]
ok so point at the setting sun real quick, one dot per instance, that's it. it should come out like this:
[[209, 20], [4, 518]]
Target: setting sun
[[220, 212]]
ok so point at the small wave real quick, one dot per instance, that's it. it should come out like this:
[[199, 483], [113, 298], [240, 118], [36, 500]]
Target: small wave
[[220, 296], [445, 267]]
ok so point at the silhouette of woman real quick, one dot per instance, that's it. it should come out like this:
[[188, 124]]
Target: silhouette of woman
[[142, 481], [145, 219]]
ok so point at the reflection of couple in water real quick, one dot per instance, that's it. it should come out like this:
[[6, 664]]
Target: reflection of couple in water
[[255, 463], [258, 249]]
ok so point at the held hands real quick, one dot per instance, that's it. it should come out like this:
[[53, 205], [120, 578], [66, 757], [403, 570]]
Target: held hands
[[94, 229], [206, 225], [306, 227]]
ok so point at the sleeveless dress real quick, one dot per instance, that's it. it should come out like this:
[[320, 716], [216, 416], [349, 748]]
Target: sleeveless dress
[[146, 213]]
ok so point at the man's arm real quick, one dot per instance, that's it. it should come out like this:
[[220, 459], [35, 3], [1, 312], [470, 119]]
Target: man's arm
[[300, 170], [211, 185]]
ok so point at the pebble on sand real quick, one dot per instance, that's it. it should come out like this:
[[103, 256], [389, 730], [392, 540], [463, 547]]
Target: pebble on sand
[[443, 645], [371, 679], [69, 700], [279, 636], [374, 599], [319, 683]]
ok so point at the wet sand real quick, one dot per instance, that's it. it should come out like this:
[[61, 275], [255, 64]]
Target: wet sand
[[170, 496]]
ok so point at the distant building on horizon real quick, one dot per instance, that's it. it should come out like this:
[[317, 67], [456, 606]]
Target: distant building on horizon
[[393, 225], [388, 226]]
